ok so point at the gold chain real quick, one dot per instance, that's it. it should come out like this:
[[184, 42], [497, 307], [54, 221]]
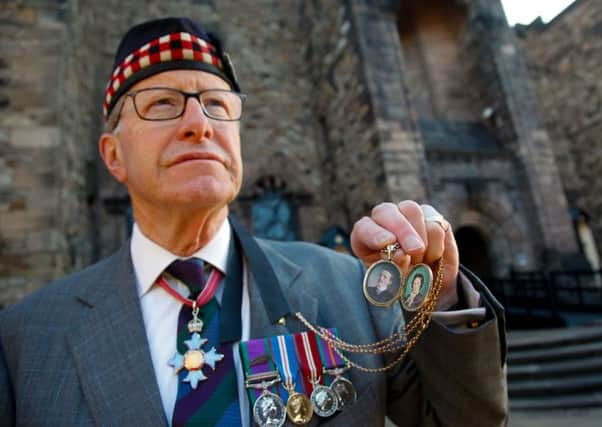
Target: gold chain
[[399, 340]]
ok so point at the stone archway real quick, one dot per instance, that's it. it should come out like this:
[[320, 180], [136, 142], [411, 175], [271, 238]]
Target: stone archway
[[474, 251]]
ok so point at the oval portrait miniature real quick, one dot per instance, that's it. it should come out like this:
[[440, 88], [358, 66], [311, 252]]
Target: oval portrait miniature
[[382, 283], [417, 287]]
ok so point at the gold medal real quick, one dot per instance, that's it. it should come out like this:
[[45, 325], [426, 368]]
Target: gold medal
[[298, 407], [383, 280]]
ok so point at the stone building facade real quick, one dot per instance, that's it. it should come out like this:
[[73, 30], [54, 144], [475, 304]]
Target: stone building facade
[[351, 102], [565, 61]]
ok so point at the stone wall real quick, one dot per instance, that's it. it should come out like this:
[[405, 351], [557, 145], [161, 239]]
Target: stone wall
[[437, 63], [349, 159], [335, 119], [32, 242], [565, 60], [536, 164], [400, 149], [482, 190]]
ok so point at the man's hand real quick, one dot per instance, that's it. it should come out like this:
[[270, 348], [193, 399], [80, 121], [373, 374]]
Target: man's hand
[[422, 240]]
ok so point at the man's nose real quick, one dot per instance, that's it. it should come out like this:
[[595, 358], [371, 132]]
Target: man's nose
[[194, 124]]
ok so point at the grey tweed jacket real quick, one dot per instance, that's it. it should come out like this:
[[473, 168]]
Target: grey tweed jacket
[[75, 353]]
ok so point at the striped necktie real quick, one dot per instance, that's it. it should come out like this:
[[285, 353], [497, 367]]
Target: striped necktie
[[214, 401]]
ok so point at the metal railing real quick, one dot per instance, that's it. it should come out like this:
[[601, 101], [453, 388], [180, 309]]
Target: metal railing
[[555, 291]]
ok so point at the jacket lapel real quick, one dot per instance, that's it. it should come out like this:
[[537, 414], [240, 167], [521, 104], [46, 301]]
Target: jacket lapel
[[110, 348], [271, 277]]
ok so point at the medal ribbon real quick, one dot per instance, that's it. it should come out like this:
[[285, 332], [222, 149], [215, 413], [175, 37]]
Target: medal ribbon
[[284, 353], [311, 364], [251, 350], [330, 358], [204, 297]]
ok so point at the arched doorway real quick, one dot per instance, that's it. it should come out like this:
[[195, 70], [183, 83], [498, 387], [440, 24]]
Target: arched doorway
[[474, 251]]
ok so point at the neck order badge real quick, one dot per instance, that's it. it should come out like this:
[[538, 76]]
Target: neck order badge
[[195, 358]]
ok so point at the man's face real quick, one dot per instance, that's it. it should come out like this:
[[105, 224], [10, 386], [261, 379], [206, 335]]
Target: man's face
[[192, 160], [384, 280]]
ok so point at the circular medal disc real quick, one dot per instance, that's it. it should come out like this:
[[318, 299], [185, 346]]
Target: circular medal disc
[[299, 409], [383, 283], [325, 401], [345, 392], [417, 287], [268, 410]]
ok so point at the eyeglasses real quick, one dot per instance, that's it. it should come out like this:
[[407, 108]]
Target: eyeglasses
[[163, 103]]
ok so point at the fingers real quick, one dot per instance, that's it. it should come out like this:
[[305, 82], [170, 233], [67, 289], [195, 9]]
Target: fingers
[[436, 232], [388, 224], [368, 238], [413, 226], [423, 234], [407, 225]]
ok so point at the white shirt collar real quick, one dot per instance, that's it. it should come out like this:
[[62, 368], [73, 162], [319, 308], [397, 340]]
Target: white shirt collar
[[149, 259]]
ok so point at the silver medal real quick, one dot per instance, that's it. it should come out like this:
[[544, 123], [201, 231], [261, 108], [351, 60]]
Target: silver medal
[[269, 410], [325, 401], [345, 392]]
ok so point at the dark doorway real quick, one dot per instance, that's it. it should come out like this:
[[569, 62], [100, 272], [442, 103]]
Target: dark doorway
[[474, 252]]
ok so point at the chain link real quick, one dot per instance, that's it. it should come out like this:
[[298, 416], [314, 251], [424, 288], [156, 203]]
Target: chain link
[[399, 340]]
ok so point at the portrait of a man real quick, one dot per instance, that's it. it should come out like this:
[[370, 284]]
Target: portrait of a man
[[382, 284]]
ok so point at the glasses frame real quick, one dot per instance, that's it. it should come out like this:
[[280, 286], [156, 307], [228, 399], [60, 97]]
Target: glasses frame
[[187, 96]]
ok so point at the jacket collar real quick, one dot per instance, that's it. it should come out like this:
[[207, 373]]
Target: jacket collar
[[114, 367]]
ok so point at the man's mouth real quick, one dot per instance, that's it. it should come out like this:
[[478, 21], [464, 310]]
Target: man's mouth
[[196, 156]]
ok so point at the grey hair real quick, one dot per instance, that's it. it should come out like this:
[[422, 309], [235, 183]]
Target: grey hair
[[112, 123]]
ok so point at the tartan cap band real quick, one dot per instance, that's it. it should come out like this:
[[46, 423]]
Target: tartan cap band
[[193, 49]]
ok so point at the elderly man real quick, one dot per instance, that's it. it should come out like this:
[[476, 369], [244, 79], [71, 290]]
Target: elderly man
[[151, 335]]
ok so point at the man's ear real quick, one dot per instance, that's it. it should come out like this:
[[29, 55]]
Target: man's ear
[[109, 146]]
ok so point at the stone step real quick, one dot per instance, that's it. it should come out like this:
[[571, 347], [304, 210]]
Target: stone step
[[547, 387], [555, 369], [576, 351], [548, 338], [586, 400]]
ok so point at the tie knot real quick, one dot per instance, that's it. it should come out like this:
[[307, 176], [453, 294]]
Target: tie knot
[[191, 272]]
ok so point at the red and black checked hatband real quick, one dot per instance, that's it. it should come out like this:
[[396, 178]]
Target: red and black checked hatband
[[171, 51]]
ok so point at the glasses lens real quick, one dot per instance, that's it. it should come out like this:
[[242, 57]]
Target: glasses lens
[[159, 104], [222, 104]]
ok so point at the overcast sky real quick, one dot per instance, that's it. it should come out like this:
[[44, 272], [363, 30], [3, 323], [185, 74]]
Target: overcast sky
[[525, 11]]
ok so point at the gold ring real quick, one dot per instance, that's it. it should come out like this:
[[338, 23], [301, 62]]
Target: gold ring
[[439, 220]]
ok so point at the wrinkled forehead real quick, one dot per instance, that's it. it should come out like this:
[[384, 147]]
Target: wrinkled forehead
[[186, 80]]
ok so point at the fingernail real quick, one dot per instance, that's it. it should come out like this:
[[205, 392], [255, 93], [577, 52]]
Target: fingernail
[[382, 239], [412, 243]]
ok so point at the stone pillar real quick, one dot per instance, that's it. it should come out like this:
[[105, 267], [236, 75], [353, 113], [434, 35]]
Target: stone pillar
[[532, 146], [399, 143]]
